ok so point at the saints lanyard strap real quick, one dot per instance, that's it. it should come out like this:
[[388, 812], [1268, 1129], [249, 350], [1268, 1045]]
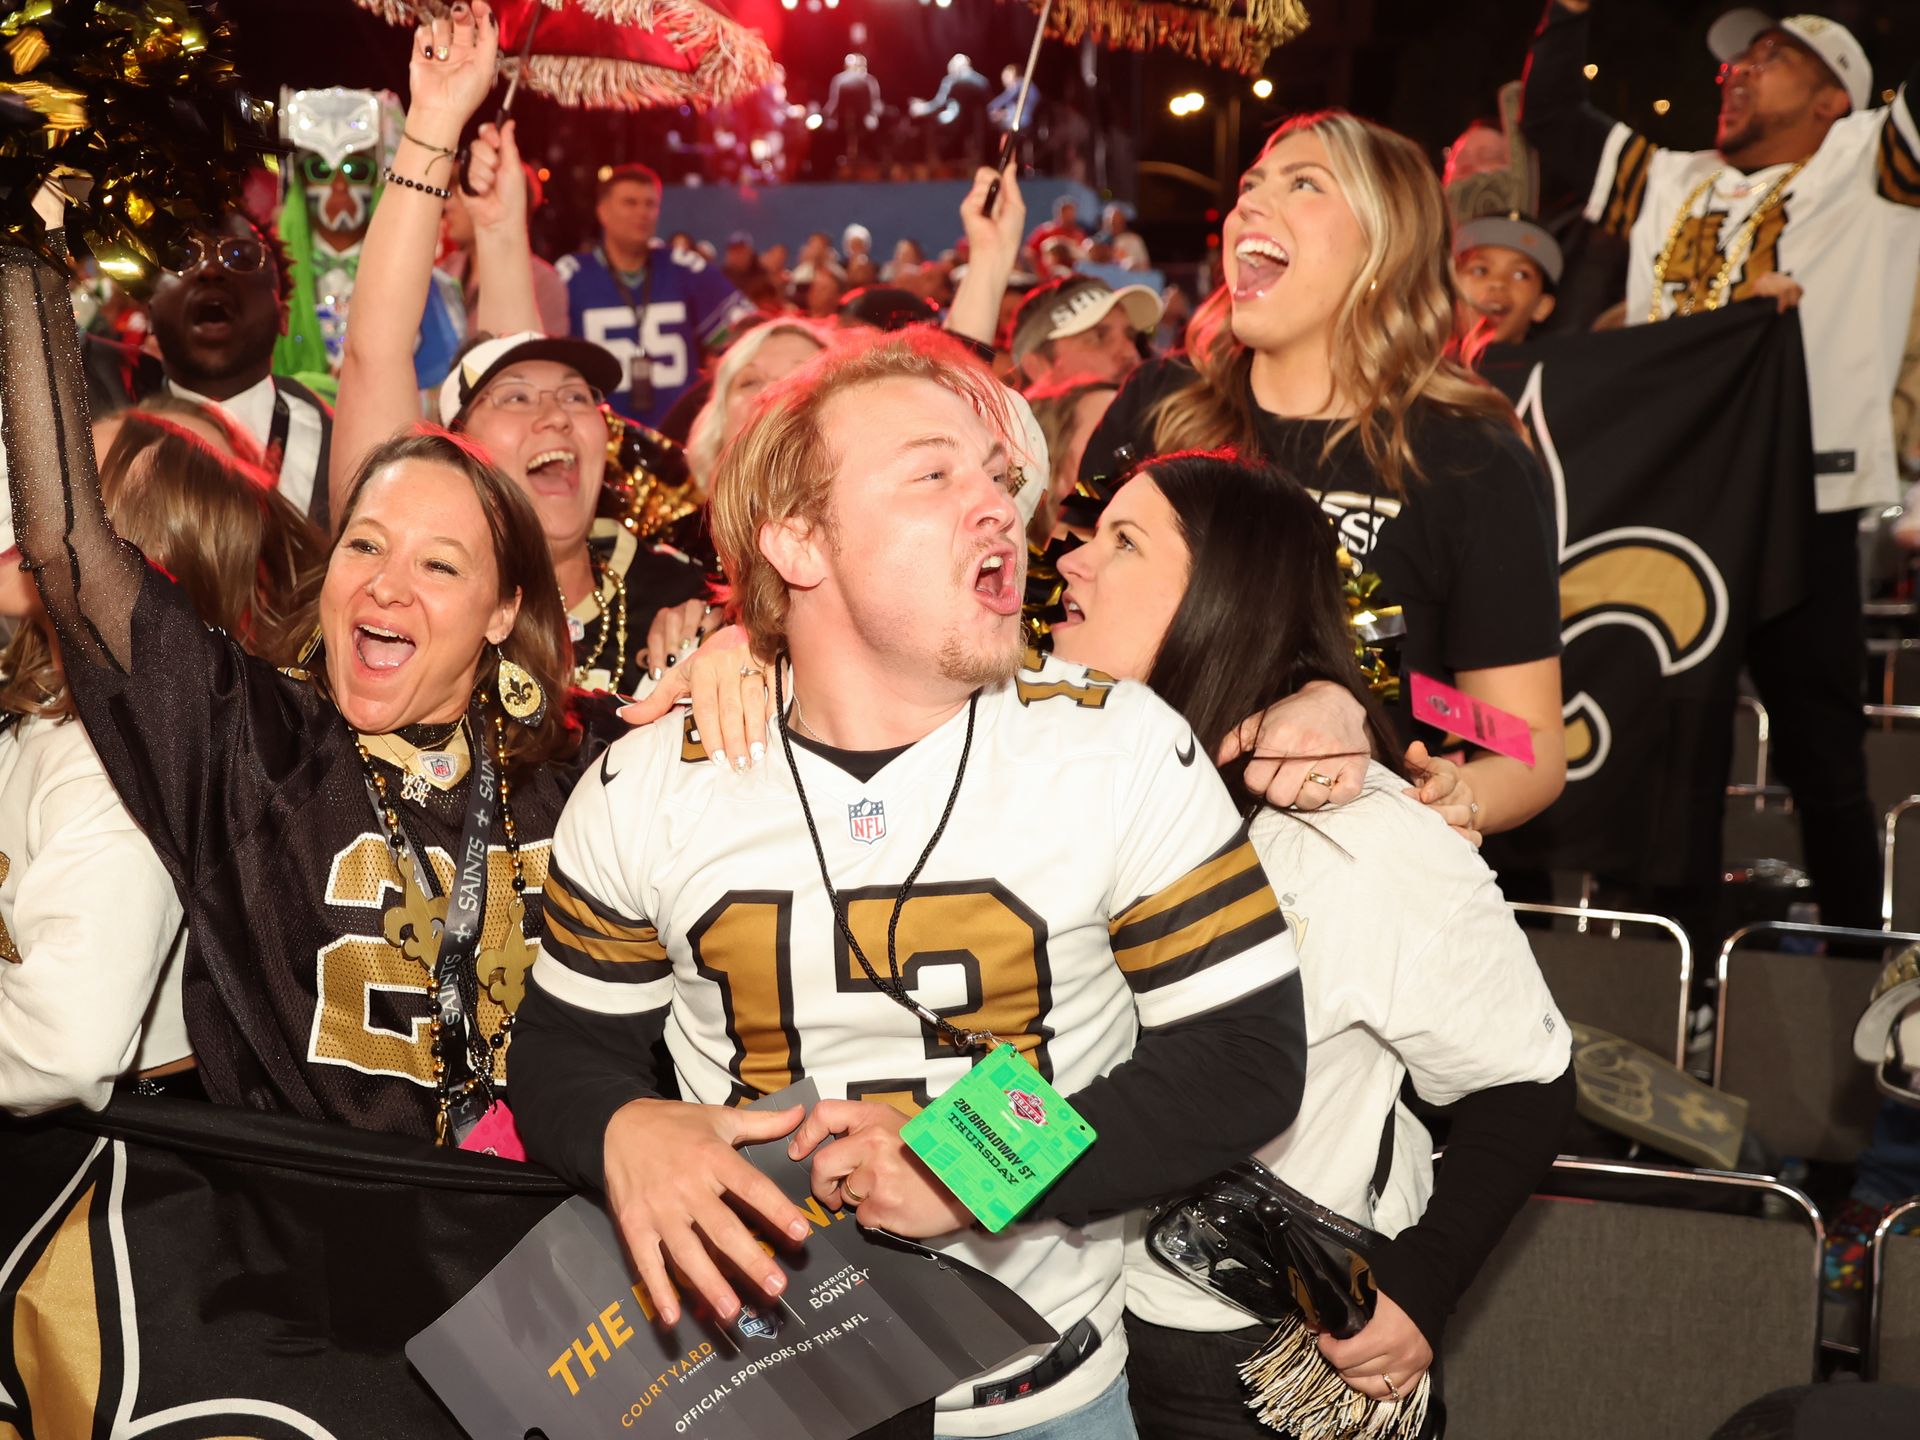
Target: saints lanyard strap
[[457, 992], [894, 988]]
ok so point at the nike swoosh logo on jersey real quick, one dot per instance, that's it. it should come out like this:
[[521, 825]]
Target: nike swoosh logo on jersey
[[1185, 757], [606, 771]]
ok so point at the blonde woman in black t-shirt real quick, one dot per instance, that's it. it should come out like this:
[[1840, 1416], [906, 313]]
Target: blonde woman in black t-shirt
[[1325, 351]]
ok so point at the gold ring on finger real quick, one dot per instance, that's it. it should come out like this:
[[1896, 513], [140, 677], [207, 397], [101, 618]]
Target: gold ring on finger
[[1390, 1386], [853, 1195], [1318, 779]]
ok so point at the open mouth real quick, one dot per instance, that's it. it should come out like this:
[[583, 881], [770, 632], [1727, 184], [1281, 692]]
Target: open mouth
[[211, 312], [1258, 265], [380, 648], [1074, 614], [994, 582], [554, 472]]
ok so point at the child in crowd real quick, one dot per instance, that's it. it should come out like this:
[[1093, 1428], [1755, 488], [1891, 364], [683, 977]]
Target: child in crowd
[[1505, 268]]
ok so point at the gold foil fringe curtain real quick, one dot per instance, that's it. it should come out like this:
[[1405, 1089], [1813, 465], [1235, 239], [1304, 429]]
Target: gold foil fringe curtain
[[1238, 34]]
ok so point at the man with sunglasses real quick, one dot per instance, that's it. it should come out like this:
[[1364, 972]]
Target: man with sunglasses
[[219, 307], [1810, 197]]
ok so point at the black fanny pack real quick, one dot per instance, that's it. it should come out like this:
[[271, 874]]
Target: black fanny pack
[[1252, 1240]]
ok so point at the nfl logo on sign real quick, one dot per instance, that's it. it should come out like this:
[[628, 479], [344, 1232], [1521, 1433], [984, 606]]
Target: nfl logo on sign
[[867, 821]]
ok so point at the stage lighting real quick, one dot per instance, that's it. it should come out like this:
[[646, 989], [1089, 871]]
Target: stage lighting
[[1590, 71], [1262, 88], [1661, 107]]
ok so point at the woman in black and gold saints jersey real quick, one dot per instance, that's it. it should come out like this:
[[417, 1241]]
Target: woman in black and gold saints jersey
[[314, 821]]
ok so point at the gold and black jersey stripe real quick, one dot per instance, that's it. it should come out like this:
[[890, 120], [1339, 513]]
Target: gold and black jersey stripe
[[1215, 911], [592, 940], [692, 748], [1897, 168], [1629, 185]]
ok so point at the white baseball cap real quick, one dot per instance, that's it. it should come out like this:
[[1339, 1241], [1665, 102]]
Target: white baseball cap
[[1734, 31], [596, 364]]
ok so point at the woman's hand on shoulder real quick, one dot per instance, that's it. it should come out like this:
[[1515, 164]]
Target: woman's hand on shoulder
[[1443, 788], [1309, 750], [1389, 1346], [732, 700]]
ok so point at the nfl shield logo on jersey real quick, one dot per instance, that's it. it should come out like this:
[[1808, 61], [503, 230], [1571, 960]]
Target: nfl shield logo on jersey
[[439, 767], [867, 821]]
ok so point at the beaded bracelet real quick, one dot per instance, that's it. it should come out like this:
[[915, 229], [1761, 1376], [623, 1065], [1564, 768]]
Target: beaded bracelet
[[393, 177]]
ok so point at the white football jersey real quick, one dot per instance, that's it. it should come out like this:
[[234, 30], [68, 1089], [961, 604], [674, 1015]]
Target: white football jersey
[[1093, 878], [1412, 965], [91, 934], [1847, 228]]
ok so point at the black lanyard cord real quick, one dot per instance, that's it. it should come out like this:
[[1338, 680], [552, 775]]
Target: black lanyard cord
[[894, 988]]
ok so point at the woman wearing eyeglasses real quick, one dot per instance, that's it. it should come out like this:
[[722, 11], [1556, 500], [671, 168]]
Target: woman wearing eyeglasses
[[533, 402]]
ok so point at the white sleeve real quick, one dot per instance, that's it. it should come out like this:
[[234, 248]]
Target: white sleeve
[[600, 950], [1195, 923], [94, 923], [1470, 1009]]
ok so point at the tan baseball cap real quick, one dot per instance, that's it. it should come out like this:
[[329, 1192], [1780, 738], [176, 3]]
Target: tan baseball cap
[[1074, 305]]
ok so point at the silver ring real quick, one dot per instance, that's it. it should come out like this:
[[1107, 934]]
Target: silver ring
[[746, 670], [1473, 807], [1390, 1386], [440, 52]]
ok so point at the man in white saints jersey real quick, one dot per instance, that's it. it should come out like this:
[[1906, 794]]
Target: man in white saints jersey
[[1065, 871], [1812, 195]]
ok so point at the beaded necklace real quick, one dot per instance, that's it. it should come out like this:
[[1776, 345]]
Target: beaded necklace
[[1736, 251], [610, 594], [420, 914]]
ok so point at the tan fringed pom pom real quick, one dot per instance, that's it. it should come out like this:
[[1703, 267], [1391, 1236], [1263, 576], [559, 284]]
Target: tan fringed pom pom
[[1296, 1391]]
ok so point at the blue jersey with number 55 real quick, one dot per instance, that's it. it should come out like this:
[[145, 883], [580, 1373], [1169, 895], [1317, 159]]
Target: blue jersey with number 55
[[665, 322]]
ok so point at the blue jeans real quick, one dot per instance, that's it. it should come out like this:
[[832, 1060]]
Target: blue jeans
[[1107, 1416], [1889, 1168]]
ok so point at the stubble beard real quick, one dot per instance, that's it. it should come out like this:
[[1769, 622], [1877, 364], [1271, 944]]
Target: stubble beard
[[986, 666]]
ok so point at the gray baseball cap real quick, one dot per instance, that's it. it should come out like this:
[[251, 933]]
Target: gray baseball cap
[[1516, 232]]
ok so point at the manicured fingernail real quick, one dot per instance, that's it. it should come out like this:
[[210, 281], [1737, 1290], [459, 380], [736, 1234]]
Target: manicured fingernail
[[720, 758], [740, 764], [655, 673], [776, 1282], [757, 751], [798, 1229], [672, 659]]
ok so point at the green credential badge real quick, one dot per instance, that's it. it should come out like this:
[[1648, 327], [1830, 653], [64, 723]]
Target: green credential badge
[[999, 1138]]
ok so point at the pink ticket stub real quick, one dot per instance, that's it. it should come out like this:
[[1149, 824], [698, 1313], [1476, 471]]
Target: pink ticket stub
[[1459, 713]]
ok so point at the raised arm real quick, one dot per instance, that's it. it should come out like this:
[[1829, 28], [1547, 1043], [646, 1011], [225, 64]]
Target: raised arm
[[502, 254], [993, 245], [88, 578], [451, 71], [1570, 134]]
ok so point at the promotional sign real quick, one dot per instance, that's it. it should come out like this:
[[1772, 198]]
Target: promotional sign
[[560, 1338]]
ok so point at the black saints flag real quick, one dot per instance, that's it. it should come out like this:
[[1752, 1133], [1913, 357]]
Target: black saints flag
[[180, 1271], [1680, 460]]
